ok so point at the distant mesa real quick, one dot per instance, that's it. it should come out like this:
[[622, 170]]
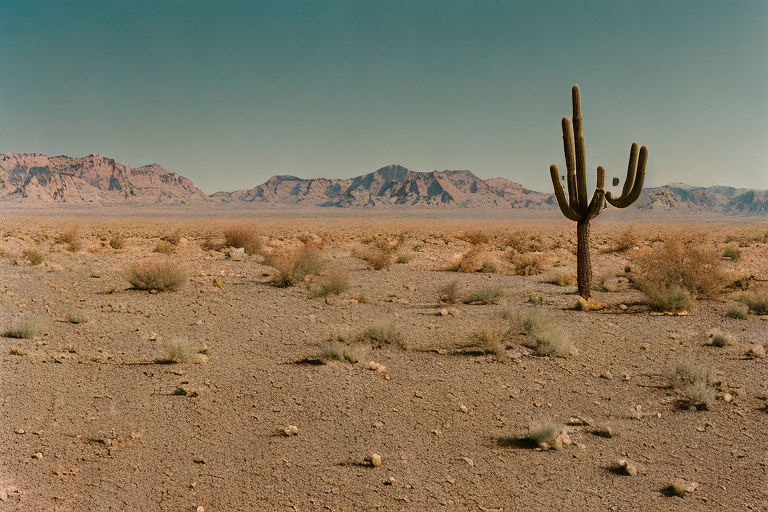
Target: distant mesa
[[37, 180]]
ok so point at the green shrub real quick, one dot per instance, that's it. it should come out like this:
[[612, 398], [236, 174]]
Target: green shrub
[[739, 313], [758, 304]]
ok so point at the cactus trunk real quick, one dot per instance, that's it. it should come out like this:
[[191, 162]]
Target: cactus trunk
[[583, 263]]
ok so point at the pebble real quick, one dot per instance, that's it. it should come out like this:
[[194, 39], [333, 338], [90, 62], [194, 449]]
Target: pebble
[[756, 350], [37, 455], [201, 509], [627, 467], [463, 408], [375, 459], [291, 430], [683, 488]]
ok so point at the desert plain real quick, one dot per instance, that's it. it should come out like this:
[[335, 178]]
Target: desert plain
[[379, 362]]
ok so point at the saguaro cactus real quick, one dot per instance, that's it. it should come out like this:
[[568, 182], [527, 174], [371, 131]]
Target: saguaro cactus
[[576, 207]]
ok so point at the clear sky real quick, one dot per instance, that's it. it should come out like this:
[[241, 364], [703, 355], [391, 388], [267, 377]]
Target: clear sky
[[229, 93]]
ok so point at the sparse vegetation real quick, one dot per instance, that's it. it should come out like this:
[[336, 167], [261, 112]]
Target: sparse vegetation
[[695, 384], [449, 292], [523, 243], [544, 433], [527, 264], [334, 283], [117, 242], [32, 256], [243, 237], [681, 263], [31, 326], [296, 266], [403, 257], [561, 279], [70, 239], [757, 304], [180, 350], [76, 316], [667, 298], [626, 241], [379, 254], [732, 253], [158, 275], [475, 237], [165, 247], [485, 341], [475, 260], [381, 335], [737, 312], [484, 295], [340, 348], [173, 238], [717, 338]]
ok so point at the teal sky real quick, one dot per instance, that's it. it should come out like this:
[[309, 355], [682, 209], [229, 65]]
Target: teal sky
[[229, 93]]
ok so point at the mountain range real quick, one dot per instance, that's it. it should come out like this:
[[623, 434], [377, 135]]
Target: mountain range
[[37, 180]]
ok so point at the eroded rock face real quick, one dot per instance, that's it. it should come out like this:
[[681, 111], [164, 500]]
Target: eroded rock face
[[36, 179]]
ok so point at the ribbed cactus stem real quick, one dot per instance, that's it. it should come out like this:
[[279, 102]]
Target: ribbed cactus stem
[[575, 206]]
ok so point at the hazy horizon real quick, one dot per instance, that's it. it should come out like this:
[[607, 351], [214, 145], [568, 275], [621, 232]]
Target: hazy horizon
[[230, 94]]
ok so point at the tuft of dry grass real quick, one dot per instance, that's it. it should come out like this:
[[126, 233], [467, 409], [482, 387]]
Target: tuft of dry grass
[[667, 298], [403, 257], [32, 256], [484, 295], [449, 292], [544, 433], [626, 241], [164, 247], [485, 341], [523, 242], [340, 348], [382, 335], [696, 385], [173, 238], [737, 312], [475, 260], [243, 237], [31, 326], [334, 283], [732, 253], [117, 242], [475, 238], [379, 255], [181, 350], [717, 338], [294, 267], [159, 275]]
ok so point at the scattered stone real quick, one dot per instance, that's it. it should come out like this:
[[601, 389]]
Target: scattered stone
[[682, 487], [623, 307], [463, 408], [455, 312], [576, 421], [605, 431], [590, 304], [562, 439], [374, 459], [353, 301], [199, 460], [378, 367], [469, 461], [218, 282], [627, 467], [291, 430], [20, 431], [37, 455], [201, 509], [235, 253], [756, 351], [727, 397], [606, 375]]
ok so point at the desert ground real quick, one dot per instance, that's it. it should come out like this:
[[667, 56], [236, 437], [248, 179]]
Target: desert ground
[[334, 365]]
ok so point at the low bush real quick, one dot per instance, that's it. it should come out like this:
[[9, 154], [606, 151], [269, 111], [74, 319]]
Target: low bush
[[159, 275]]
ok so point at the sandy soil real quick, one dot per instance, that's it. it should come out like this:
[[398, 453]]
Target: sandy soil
[[89, 421]]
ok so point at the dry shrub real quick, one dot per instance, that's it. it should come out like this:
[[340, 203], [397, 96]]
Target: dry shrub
[[684, 263], [296, 266], [164, 247], [159, 275], [527, 264], [561, 278], [242, 237], [484, 342], [732, 253], [382, 335], [544, 336], [334, 283], [478, 237], [76, 316], [71, 239], [32, 256], [341, 348], [667, 298], [117, 242], [449, 292], [30, 326], [758, 304], [523, 242], [403, 257], [737, 312], [378, 255], [172, 238], [544, 433], [476, 260], [717, 338]]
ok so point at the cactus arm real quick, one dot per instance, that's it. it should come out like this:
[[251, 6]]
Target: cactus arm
[[569, 212], [573, 197], [598, 198], [637, 185], [629, 181], [581, 177]]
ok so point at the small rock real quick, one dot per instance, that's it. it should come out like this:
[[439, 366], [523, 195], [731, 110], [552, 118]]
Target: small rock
[[463, 408], [756, 351], [353, 301], [623, 307], [727, 397], [469, 461], [199, 460], [291, 430], [683, 488], [373, 365], [606, 375], [20, 431], [583, 304], [627, 467], [375, 459], [443, 312], [455, 312], [201, 509], [37, 455]]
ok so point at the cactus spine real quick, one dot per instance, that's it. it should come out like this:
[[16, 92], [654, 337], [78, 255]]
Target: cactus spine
[[575, 207]]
